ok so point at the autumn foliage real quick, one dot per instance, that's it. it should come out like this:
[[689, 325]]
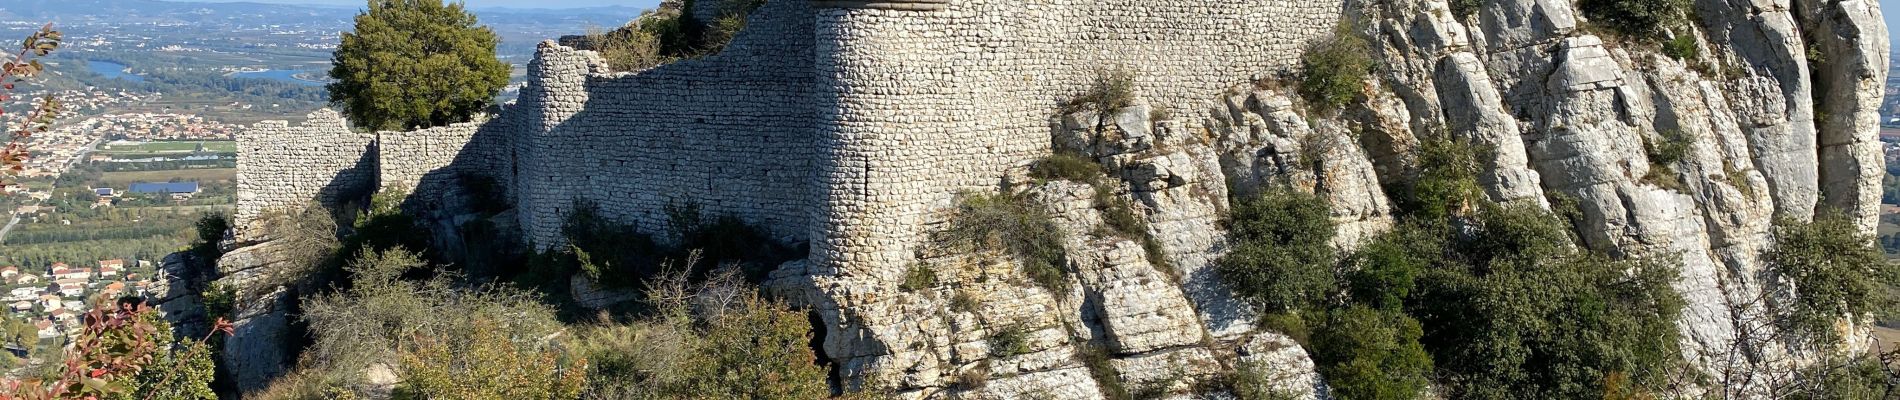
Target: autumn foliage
[[16, 69], [122, 352]]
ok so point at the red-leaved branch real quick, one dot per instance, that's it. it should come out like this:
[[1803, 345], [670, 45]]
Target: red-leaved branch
[[22, 65]]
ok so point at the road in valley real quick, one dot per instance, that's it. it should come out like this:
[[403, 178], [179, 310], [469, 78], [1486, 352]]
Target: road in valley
[[69, 166]]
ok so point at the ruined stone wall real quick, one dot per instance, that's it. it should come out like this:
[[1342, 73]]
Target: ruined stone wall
[[920, 105], [732, 132], [323, 161], [406, 159], [925, 99], [281, 167]]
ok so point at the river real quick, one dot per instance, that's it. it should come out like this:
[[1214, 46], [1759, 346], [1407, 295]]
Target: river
[[112, 70]]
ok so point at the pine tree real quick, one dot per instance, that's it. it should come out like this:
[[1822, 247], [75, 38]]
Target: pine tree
[[415, 64]]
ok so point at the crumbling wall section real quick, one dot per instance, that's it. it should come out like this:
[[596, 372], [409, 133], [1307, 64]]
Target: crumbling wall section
[[731, 132], [281, 167]]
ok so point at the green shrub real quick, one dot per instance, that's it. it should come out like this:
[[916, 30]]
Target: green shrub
[[1465, 8], [964, 301], [448, 64], [1114, 88], [1857, 377], [1664, 151], [1682, 47], [635, 47], [1386, 268], [1118, 215], [211, 228], [1835, 272], [484, 359], [308, 240], [1067, 166], [1251, 381], [1368, 354], [1523, 314], [1014, 224], [623, 256], [1669, 146], [1445, 182], [220, 301], [918, 277], [1335, 70], [659, 37], [1009, 340], [1642, 19], [1515, 236], [760, 350], [382, 312], [178, 370], [1293, 325], [724, 240], [1737, 178], [1282, 258], [717, 339]]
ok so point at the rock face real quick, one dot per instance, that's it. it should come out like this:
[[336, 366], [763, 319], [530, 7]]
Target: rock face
[[853, 126], [259, 309], [1570, 115]]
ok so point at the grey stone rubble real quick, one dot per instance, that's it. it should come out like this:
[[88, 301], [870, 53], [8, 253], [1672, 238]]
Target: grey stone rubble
[[854, 125]]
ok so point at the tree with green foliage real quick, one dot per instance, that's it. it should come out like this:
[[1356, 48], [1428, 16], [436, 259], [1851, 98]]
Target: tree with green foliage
[[1858, 377], [1500, 297], [1445, 181], [415, 64], [1334, 70], [1385, 270], [1643, 19], [1371, 354], [1515, 310], [1282, 259], [1833, 272]]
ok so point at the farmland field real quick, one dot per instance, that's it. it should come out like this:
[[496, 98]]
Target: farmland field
[[120, 179], [171, 146]]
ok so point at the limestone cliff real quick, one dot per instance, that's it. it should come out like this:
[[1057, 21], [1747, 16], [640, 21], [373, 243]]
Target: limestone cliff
[[1566, 113], [853, 126]]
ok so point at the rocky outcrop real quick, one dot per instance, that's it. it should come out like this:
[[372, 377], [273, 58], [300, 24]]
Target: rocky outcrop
[[1568, 118], [1579, 111], [250, 280], [1161, 316]]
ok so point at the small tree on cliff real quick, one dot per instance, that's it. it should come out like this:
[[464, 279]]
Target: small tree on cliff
[[415, 64]]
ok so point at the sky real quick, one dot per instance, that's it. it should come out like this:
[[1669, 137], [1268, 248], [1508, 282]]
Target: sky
[[490, 3], [1890, 9]]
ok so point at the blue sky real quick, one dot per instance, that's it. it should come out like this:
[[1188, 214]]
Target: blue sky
[[491, 3], [1890, 9]]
